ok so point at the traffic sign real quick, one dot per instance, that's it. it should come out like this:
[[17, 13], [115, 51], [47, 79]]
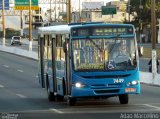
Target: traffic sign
[[24, 5], [6, 4], [107, 10]]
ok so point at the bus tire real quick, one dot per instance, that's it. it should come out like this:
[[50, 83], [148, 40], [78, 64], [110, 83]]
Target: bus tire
[[59, 98], [50, 95], [71, 101], [123, 98]]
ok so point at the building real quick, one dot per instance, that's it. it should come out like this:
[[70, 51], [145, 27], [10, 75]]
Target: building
[[92, 11], [38, 19]]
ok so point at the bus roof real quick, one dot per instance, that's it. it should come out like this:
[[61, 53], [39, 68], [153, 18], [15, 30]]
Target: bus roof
[[65, 29], [57, 29]]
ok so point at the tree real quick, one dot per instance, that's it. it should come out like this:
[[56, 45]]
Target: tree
[[141, 10]]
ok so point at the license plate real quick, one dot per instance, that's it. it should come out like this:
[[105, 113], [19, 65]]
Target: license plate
[[130, 90]]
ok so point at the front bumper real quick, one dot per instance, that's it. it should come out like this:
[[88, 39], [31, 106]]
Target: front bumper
[[104, 92]]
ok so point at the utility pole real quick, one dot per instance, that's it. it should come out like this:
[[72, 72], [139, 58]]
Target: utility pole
[[59, 9], [140, 21], [50, 11], [63, 5], [153, 24], [21, 19], [153, 33], [79, 11], [129, 9], [3, 23], [68, 11], [55, 9], [30, 26]]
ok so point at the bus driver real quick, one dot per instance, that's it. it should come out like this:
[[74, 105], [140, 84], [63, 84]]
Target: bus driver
[[122, 50]]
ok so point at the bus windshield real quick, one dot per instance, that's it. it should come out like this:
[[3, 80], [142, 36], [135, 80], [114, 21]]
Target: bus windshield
[[104, 54]]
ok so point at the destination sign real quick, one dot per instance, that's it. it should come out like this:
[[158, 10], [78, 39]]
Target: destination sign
[[102, 31]]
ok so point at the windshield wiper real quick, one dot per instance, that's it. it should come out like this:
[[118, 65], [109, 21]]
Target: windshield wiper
[[97, 46]]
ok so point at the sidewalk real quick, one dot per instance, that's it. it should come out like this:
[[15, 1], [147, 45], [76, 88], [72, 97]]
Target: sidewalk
[[20, 52], [145, 77], [26, 41]]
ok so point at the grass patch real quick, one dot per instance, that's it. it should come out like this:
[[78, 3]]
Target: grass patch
[[147, 53]]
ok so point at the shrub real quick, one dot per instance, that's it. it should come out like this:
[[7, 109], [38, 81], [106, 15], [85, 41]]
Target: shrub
[[10, 32]]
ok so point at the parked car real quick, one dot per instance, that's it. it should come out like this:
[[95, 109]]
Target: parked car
[[16, 40]]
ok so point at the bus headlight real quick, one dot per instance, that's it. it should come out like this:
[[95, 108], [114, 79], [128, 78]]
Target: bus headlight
[[132, 83], [79, 85]]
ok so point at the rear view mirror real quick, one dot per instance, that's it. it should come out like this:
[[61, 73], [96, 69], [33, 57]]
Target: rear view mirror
[[64, 47]]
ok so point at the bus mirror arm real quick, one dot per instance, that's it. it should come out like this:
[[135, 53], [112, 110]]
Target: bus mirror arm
[[134, 62]]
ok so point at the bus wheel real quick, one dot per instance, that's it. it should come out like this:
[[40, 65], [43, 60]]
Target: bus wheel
[[71, 101], [59, 98], [124, 98], [51, 96]]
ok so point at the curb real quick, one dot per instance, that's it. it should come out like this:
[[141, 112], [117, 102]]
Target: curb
[[19, 52]]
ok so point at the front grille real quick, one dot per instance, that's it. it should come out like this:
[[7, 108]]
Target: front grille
[[102, 86], [106, 76], [106, 91], [117, 85]]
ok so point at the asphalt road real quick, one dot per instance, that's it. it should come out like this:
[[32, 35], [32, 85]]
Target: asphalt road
[[21, 97]]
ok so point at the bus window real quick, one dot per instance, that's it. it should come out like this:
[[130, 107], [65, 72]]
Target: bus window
[[60, 56]]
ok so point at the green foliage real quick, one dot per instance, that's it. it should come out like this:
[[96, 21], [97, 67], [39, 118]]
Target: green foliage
[[10, 32], [143, 14]]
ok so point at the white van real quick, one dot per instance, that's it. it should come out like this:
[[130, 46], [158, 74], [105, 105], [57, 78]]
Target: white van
[[16, 40]]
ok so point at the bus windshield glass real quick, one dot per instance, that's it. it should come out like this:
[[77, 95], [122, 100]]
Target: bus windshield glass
[[104, 54]]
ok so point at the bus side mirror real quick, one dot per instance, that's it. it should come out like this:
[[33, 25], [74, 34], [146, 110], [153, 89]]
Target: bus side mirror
[[134, 62], [64, 47]]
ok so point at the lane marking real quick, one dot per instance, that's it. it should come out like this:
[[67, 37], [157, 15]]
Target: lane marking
[[19, 70], [1, 86], [21, 96], [91, 111], [6, 66], [57, 111], [148, 105]]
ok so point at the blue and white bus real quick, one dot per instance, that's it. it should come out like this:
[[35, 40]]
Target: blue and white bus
[[90, 60]]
